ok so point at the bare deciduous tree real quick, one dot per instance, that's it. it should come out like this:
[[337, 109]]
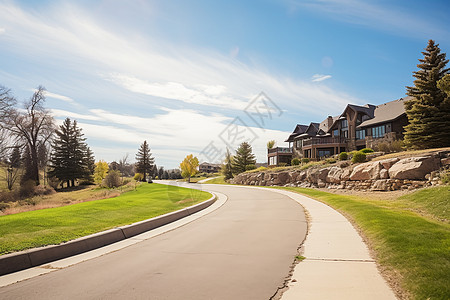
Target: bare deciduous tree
[[32, 127]]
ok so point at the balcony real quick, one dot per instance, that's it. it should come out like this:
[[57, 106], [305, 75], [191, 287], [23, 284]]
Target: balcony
[[280, 150], [324, 141]]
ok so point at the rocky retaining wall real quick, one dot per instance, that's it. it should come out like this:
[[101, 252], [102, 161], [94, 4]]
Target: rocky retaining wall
[[384, 175]]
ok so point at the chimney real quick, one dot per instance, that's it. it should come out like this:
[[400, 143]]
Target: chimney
[[330, 121]]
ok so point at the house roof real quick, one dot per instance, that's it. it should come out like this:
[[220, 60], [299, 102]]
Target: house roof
[[367, 109], [299, 129], [387, 112]]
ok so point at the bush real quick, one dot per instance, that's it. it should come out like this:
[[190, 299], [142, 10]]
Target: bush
[[343, 156], [112, 179], [330, 160], [4, 206], [359, 157], [295, 161], [367, 150], [43, 190], [445, 176], [305, 160], [139, 176], [283, 164], [27, 189]]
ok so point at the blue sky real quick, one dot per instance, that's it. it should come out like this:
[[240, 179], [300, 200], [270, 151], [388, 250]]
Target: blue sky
[[185, 75]]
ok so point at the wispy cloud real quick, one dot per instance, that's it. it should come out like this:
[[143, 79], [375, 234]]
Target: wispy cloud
[[387, 17], [2, 30], [319, 77]]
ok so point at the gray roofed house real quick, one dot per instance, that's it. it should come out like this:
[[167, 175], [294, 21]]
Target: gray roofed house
[[356, 128]]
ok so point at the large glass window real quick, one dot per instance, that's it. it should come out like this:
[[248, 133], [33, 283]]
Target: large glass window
[[360, 134], [379, 131], [323, 153], [336, 132], [298, 144], [344, 124]]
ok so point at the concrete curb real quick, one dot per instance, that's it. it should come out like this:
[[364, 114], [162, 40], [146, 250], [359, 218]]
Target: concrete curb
[[18, 261]]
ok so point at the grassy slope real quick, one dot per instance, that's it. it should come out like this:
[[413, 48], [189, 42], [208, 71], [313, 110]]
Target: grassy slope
[[53, 226], [218, 180], [415, 246]]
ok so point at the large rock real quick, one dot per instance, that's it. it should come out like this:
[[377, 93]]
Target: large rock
[[380, 185], [388, 163], [414, 167], [314, 175], [283, 178], [334, 175], [367, 171]]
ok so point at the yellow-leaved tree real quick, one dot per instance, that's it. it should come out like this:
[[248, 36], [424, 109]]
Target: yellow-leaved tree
[[101, 169], [189, 167]]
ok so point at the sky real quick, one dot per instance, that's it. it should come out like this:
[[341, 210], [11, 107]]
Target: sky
[[197, 77]]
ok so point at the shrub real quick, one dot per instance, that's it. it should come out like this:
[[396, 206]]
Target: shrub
[[397, 146], [305, 160], [27, 189], [445, 176], [139, 176], [359, 157], [112, 179], [367, 150], [330, 160], [283, 164], [343, 156], [43, 190], [4, 206], [295, 161]]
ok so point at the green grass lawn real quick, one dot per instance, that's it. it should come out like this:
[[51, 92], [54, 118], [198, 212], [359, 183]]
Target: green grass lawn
[[410, 241], [218, 180], [55, 225]]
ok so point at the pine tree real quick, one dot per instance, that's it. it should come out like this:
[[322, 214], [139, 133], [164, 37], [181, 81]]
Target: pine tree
[[227, 166], [68, 161], [90, 165], [244, 159], [428, 112], [144, 160], [14, 159]]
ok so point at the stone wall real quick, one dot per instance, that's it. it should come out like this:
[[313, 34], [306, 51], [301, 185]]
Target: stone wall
[[384, 175]]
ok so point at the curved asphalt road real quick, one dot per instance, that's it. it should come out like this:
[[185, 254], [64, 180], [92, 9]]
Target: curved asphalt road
[[243, 250]]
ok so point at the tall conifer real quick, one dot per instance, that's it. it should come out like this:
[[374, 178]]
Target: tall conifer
[[244, 159], [428, 112], [144, 160]]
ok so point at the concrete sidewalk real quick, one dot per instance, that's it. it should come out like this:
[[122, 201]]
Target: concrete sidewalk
[[338, 264]]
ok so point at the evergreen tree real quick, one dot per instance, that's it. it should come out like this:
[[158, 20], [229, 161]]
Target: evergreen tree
[[144, 160], [154, 171], [227, 166], [165, 175], [429, 110], [160, 172], [244, 159], [14, 159], [90, 165], [68, 161]]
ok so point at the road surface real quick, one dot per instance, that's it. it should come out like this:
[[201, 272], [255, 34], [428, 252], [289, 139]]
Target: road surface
[[243, 250]]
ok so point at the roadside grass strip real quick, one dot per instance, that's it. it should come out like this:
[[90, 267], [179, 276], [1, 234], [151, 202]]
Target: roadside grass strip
[[411, 243], [218, 180], [56, 225]]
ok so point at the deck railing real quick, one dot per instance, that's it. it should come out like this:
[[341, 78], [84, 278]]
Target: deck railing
[[280, 150], [324, 141]]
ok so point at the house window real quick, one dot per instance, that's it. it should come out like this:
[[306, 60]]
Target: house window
[[298, 144], [379, 131], [360, 134], [323, 153], [272, 160], [336, 132], [344, 124]]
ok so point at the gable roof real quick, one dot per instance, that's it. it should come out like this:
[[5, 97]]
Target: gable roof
[[387, 112], [299, 129], [367, 109]]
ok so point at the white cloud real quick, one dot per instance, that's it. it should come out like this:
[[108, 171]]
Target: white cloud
[[2, 30], [57, 96], [319, 77], [58, 113]]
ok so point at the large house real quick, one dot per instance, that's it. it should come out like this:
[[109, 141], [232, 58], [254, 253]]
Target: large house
[[357, 127]]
